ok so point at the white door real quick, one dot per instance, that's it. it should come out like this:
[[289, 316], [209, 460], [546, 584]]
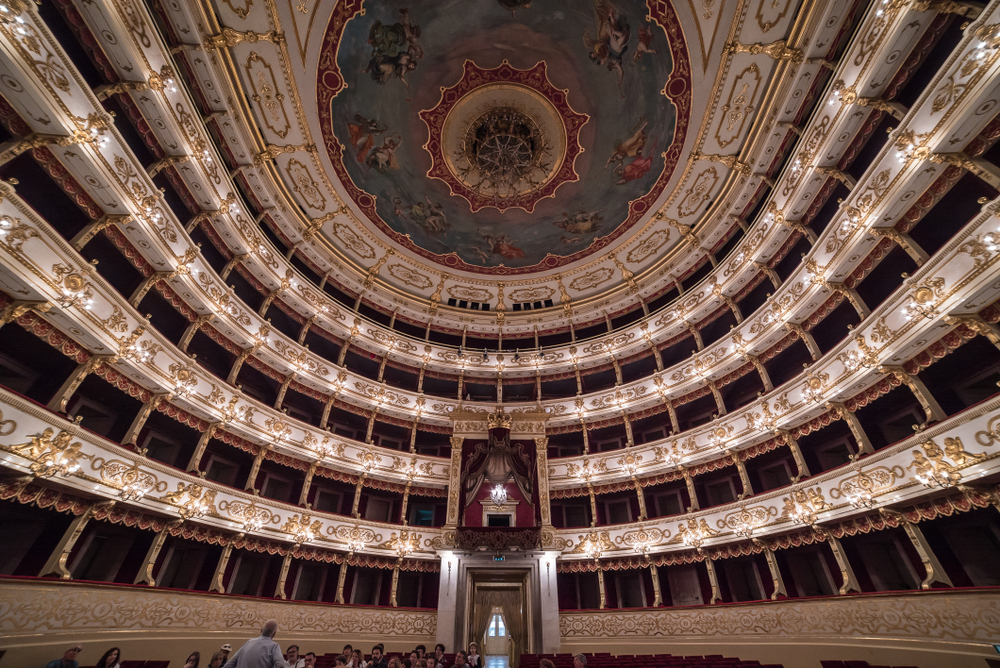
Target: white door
[[497, 648]]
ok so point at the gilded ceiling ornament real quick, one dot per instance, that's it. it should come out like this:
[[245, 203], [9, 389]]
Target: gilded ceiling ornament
[[591, 279]]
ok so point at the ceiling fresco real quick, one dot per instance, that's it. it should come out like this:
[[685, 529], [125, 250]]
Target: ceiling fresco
[[504, 137]]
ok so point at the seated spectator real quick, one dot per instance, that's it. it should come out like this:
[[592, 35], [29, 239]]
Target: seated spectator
[[359, 659], [111, 659], [217, 660], [579, 661], [421, 663], [438, 660], [348, 655], [461, 658], [474, 660], [378, 661], [193, 660], [310, 659], [292, 657], [421, 651], [68, 659], [340, 661], [226, 649], [395, 662], [546, 663]]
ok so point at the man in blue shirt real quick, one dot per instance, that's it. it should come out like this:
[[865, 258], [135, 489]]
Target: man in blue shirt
[[69, 658], [261, 652]]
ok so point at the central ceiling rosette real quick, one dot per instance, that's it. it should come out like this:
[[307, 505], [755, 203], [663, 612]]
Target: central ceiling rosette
[[503, 137]]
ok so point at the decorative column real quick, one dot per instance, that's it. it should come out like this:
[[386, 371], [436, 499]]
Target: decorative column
[[600, 584], [395, 583], [976, 324], [238, 364], [793, 445], [90, 231], [199, 451], [327, 406], [777, 581], [255, 469], [233, 261], [849, 583], [593, 505], [357, 496], [144, 288], [905, 241], [694, 333], [406, 501], [542, 467], [307, 483], [16, 309], [56, 564], [852, 296], [935, 572], [807, 339], [714, 581], [282, 391], [657, 593], [279, 589], [733, 307], [618, 368], [764, 377], [220, 568], [454, 483], [140, 419], [690, 488], [932, 409], [145, 575], [461, 383], [771, 274], [268, 301], [742, 469], [192, 329], [340, 581], [719, 404], [61, 398], [857, 430], [672, 412], [586, 439], [641, 498]]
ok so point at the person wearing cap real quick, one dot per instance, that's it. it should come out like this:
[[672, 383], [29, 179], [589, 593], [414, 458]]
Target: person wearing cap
[[226, 649], [68, 659]]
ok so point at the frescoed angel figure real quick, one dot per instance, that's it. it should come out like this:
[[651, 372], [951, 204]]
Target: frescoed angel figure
[[609, 45], [502, 245], [396, 49], [645, 39], [363, 132], [383, 158], [581, 222], [429, 216], [636, 169], [631, 147]]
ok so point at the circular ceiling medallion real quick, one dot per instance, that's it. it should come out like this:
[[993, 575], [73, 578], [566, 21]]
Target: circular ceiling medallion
[[503, 137], [503, 144]]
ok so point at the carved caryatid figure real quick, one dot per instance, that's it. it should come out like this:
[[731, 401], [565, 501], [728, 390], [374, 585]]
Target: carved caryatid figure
[[957, 453]]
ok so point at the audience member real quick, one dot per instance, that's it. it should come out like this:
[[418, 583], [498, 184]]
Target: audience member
[[359, 659], [310, 659], [378, 661], [217, 660], [340, 661], [421, 651], [68, 659], [111, 659], [421, 663], [461, 658], [261, 652], [395, 662], [348, 655], [579, 661], [226, 650], [194, 658], [475, 661], [546, 663], [292, 657], [439, 661]]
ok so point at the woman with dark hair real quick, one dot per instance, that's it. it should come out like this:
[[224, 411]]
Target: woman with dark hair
[[111, 659], [193, 660]]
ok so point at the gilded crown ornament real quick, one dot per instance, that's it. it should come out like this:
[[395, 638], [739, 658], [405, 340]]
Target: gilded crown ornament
[[499, 420]]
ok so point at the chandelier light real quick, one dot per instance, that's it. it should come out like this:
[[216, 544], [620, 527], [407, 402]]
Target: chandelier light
[[136, 483], [61, 464], [193, 508], [861, 493], [498, 495], [921, 305]]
